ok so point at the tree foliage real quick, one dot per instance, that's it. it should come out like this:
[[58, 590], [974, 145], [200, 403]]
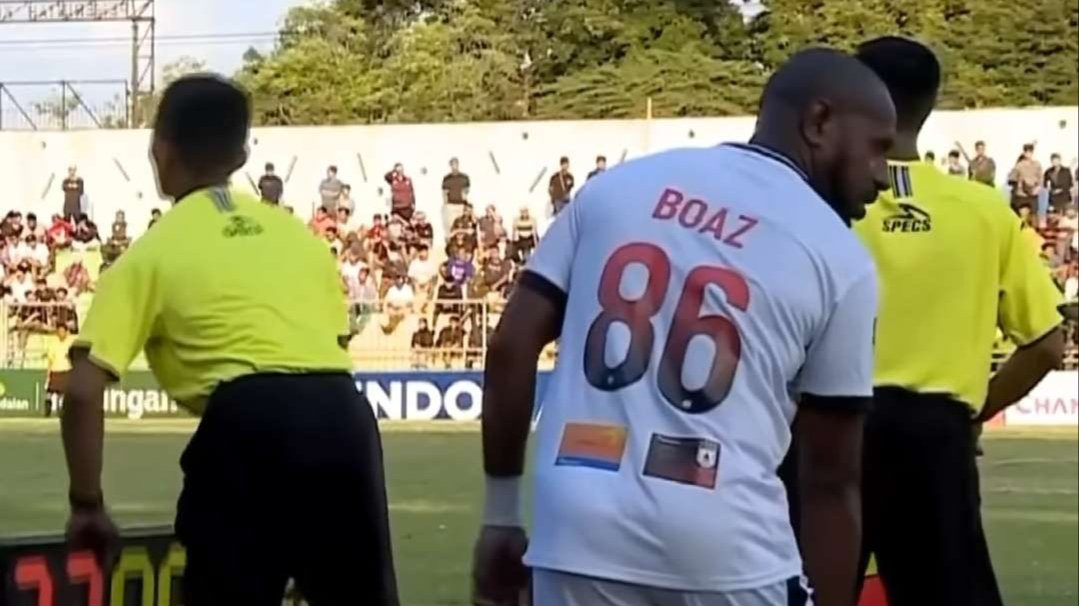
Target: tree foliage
[[366, 61]]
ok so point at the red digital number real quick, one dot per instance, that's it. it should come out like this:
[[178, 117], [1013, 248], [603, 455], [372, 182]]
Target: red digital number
[[82, 568], [32, 574], [686, 324]]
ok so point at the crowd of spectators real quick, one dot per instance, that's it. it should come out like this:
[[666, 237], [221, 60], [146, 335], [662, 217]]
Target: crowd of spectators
[[446, 293]]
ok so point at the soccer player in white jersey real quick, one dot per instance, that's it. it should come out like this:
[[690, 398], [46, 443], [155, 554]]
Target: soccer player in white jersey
[[698, 295]]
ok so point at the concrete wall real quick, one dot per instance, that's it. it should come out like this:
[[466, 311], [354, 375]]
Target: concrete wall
[[509, 163]]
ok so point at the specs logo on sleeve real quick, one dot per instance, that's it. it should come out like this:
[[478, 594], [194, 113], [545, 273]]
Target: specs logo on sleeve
[[910, 219]]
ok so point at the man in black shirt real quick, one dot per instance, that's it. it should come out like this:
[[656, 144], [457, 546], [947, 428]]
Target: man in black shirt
[[447, 295], [1058, 180], [423, 340], [74, 188], [601, 166], [271, 187], [561, 186], [451, 341], [455, 186]]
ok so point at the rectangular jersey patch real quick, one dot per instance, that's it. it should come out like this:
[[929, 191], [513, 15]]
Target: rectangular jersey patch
[[591, 445], [692, 461]]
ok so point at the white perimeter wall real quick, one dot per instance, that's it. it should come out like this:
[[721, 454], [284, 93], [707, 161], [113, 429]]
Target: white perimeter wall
[[118, 174]]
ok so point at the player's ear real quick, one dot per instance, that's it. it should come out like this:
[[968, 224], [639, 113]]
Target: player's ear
[[817, 121]]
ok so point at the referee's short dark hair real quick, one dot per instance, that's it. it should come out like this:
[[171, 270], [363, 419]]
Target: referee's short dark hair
[[206, 118], [911, 72]]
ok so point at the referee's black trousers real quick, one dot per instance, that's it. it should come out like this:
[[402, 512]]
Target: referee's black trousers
[[284, 479], [921, 502]]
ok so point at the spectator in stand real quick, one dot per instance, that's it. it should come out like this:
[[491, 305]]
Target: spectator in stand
[[116, 245], [1026, 179], [271, 187], [422, 230], [33, 227], [423, 273], [423, 341], [491, 230], [496, 274], [351, 265], [322, 221], [1069, 223], [378, 254], [1058, 180], [155, 216], [601, 167], [455, 186], [77, 278], [461, 267], [37, 252], [399, 301], [30, 318], [982, 168], [364, 304], [395, 231], [378, 227], [931, 158], [955, 166], [345, 201], [74, 190], [60, 233], [63, 310], [1052, 232], [347, 223], [86, 236], [330, 190], [21, 282], [333, 240], [448, 295], [560, 187], [10, 253], [451, 341], [1071, 282], [12, 225], [394, 269], [402, 195], [524, 236]]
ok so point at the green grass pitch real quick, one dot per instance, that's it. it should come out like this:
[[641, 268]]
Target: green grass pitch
[[1029, 486]]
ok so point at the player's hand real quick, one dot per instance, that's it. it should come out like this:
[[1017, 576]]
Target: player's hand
[[499, 576], [93, 529]]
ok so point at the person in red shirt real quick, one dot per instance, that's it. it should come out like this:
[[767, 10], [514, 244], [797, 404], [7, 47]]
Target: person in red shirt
[[322, 221], [60, 233], [402, 195]]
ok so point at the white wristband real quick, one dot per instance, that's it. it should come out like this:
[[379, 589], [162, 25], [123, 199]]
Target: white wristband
[[502, 506]]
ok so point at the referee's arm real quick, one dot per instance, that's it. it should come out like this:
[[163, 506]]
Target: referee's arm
[[119, 323], [1029, 315]]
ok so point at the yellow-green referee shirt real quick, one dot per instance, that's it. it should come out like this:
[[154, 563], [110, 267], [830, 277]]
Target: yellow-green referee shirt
[[222, 286], [953, 267]]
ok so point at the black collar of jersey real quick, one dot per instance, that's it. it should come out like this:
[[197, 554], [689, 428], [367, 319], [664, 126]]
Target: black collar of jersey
[[771, 154]]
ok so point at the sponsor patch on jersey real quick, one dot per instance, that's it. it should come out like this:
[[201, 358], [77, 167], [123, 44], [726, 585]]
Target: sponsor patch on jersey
[[592, 445], [693, 461]]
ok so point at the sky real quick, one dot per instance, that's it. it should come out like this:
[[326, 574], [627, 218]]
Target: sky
[[112, 60]]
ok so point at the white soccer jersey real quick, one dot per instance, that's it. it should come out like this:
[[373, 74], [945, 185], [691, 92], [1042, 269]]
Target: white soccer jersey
[[706, 289]]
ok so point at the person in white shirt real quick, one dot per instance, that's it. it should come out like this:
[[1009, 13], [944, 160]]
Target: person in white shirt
[[423, 272], [37, 252], [351, 266], [23, 251], [697, 296], [398, 304], [22, 282]]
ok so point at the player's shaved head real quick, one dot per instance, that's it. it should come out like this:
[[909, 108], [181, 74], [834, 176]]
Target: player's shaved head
[[911, 72], [822, 74], [834, 118]]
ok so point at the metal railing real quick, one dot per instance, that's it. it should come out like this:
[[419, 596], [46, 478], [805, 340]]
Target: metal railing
[[64, 104]]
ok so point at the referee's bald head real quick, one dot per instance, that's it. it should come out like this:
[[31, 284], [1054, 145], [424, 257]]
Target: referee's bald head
[[200, 133]]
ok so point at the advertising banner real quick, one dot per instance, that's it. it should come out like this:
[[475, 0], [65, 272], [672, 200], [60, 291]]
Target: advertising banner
[[427, 396], [138, 396], [1054, 402]]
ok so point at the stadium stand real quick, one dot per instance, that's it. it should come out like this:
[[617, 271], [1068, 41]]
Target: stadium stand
[[425, 273]]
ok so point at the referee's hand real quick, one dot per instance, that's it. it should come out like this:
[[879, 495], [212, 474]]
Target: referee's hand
[[499, 576], [94, 530]]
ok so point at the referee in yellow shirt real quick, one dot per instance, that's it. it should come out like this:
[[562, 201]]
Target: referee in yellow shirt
[[953, 266], [241, 314]]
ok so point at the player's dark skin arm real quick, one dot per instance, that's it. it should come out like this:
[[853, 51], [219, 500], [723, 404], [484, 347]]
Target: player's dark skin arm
[[531, 321], [1025, 369], [83, 426], [830, 473]]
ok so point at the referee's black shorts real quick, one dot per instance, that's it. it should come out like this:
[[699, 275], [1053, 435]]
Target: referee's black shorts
[[921, 502], [284, 479]]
